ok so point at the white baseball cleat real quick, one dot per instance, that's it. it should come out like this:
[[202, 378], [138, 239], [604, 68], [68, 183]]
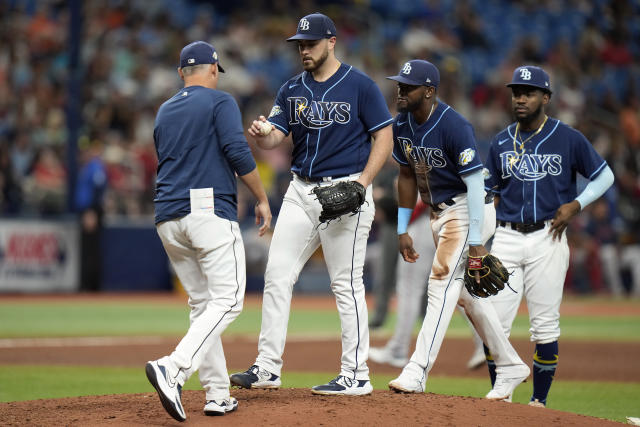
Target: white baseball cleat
[[405, 384], [255, 377], [220, 407], [507, 382], [537, 404], [477, 359], [169, 391], [384, 355]]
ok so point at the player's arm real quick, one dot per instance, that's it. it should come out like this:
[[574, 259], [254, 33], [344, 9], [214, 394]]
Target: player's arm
[[269, 141], [407, 196], [262, 209], [591, 192], [475, 203], [381, 146]]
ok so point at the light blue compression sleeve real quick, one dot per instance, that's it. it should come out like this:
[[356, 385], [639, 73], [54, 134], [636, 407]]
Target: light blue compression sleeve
[[404, 215], [475, 204], [596, 188]]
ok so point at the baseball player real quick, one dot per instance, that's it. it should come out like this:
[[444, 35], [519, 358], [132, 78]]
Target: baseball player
[[200, 146], [341, 130], [533, 165], [435, 147]]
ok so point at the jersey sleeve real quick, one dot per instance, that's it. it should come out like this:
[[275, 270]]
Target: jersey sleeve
[[399, 143], [587, 160], [228, 125], [373, 108], [461, 147], [492, 180], [279, 112]]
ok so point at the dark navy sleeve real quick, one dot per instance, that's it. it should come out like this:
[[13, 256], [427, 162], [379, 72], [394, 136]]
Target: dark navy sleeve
[[279, 114], [461, 144], [587, 161], [492, 181], [374, 112], [228, 125], [399, 146]]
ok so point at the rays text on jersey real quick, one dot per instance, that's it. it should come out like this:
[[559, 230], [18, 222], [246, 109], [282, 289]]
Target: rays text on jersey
[[530, 167], [317, 114]]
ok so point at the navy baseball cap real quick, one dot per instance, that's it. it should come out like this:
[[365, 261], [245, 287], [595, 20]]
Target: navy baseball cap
[[530, 75], [197, 53], [418, 72], [314, 27]]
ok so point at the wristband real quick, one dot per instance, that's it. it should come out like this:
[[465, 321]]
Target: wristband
[[404, 215]]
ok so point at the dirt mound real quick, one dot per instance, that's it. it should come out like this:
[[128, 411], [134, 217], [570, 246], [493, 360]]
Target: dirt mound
[[290, 407]]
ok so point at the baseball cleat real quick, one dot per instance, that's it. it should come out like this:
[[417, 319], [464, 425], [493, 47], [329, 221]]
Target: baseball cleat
[[220, 407], [344, 386], [477, 359], [537, 404], [507, 382], [406, 385], [169, 391], [255, 377], [384, 355]]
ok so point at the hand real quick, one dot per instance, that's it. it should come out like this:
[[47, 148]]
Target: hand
[[405, 246], [561, 220], [263, 214], [477, 251], [254, 130]]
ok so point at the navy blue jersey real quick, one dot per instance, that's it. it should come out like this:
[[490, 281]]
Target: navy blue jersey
[[200, 143], [445, 143], [533, 181], [330, 121]]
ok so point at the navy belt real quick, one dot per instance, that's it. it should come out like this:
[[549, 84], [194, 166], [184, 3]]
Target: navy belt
[[523, 227], [450, 202]]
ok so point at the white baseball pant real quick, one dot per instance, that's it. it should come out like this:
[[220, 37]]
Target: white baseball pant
[[207, 254], [296, 237], [538, 266], [445, 290]]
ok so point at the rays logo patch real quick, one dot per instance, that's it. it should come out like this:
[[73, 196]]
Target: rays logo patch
[[275, 111], [466, 156]]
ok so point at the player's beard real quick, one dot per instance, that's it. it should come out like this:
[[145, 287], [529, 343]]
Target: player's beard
[[315, 65], [409, 107], [529, 118]]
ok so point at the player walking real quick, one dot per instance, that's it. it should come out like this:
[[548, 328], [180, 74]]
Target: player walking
[[532, 166], [333, 111], [435, 147], [200, 145]]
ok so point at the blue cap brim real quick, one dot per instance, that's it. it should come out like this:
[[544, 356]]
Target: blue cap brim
[[404, 80], [306, 37], [542, 88]]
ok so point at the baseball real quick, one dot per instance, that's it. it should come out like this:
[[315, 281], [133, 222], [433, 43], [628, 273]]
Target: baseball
[[265, 128]]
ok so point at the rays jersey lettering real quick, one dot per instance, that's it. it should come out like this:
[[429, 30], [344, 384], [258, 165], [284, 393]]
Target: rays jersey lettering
[[317, 114], [530, 167], [432, 157]]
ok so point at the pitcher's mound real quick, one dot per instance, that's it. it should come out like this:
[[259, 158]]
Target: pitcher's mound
[[290, 407]]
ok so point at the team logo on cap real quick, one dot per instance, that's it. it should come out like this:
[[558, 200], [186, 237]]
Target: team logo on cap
[[466, 156], [525, 74], [406, 69], [304, 24]]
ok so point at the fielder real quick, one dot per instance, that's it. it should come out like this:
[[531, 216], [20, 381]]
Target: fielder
[[436, 150], [341, 131], [200, 146], [532, 166]]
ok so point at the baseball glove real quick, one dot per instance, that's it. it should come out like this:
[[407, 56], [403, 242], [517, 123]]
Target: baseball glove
[[339, 199], [493, 276]]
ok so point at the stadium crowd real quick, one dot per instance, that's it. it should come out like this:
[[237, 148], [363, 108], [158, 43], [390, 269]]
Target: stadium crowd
[[128, 67]]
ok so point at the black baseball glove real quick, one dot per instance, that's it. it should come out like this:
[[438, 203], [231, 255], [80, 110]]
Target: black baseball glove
[[338, 199], [493, 276]]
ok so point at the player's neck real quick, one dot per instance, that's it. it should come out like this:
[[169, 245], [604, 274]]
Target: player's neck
[[328, 69], [532, 124], [422, 114]]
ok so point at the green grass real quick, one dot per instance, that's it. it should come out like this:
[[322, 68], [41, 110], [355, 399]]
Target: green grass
[[135, 319], [613, 401]]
